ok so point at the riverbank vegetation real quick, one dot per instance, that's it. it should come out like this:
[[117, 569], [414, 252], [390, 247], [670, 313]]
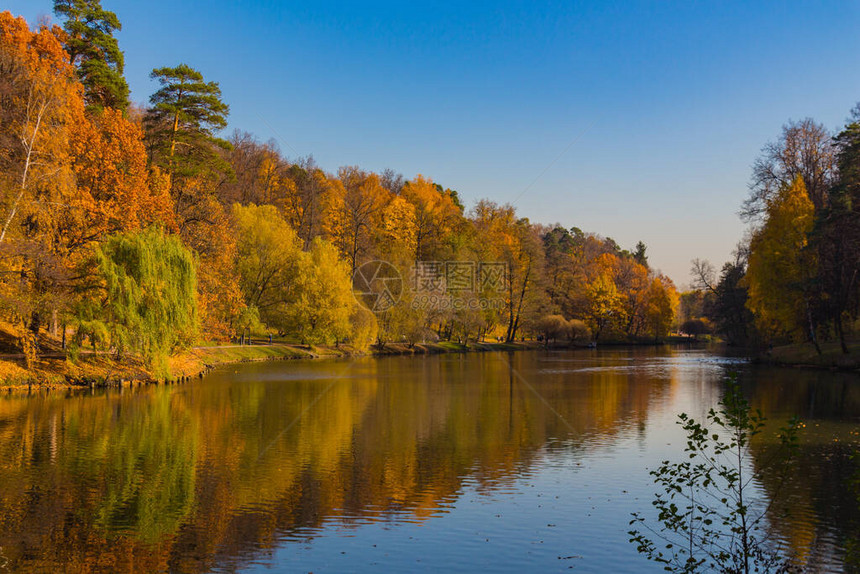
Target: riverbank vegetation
[[793, 286], [135, 231]]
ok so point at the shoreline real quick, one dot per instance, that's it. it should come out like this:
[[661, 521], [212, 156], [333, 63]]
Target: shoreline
[[98, 370], [804, 356]]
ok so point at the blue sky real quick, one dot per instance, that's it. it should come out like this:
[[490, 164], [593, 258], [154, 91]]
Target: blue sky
[[638, 121]]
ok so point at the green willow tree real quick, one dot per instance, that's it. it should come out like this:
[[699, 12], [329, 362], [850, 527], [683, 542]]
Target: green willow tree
[[149, 302], [94, 50]]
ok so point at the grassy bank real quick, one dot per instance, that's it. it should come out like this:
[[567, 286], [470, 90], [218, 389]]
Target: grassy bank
[[103, 369], [54, 371], [805, 355], [201, 359]]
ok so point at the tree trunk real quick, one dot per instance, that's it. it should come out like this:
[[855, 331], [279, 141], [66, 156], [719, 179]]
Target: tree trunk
[[29, 146], [173, 139], [513, 325], [840, 330], [812, 335]]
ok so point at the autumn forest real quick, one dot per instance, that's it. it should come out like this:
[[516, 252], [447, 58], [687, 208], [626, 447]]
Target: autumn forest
[[141, 231], [512, 390]]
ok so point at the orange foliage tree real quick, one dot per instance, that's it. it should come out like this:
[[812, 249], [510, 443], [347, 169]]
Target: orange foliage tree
[[114, 189], [435, 213], [40, 101]]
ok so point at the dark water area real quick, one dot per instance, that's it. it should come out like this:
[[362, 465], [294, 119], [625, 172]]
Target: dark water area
[[523, 461]]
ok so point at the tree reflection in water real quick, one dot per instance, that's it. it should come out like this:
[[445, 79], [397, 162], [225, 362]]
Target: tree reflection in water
[[187, 478]]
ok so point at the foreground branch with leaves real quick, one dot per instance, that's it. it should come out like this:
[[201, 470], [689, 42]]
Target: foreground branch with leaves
[[711, 515]]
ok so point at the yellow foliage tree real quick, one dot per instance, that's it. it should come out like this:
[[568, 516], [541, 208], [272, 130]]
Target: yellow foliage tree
[[304, 293], [355, 213], [435, 213], [633, 282], [780, 266], [364, 327], [605, 304], [662, 305], [268, 261], [399, 233], [320, 312], [42, 101]]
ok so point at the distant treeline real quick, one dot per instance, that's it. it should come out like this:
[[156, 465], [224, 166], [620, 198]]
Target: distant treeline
[[141, 230]]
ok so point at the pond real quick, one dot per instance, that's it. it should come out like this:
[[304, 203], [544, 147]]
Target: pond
[[521, 461]]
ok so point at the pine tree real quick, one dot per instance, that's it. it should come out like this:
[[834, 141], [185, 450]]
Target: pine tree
[[181, 124], [94, 50]]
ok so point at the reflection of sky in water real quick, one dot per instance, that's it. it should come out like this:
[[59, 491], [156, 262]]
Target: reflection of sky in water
[[553, 517], [654, 366]]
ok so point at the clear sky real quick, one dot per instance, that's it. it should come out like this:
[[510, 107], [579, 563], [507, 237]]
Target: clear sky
[[637, 121]]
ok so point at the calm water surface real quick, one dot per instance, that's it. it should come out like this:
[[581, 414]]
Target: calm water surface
[[528, 461]]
